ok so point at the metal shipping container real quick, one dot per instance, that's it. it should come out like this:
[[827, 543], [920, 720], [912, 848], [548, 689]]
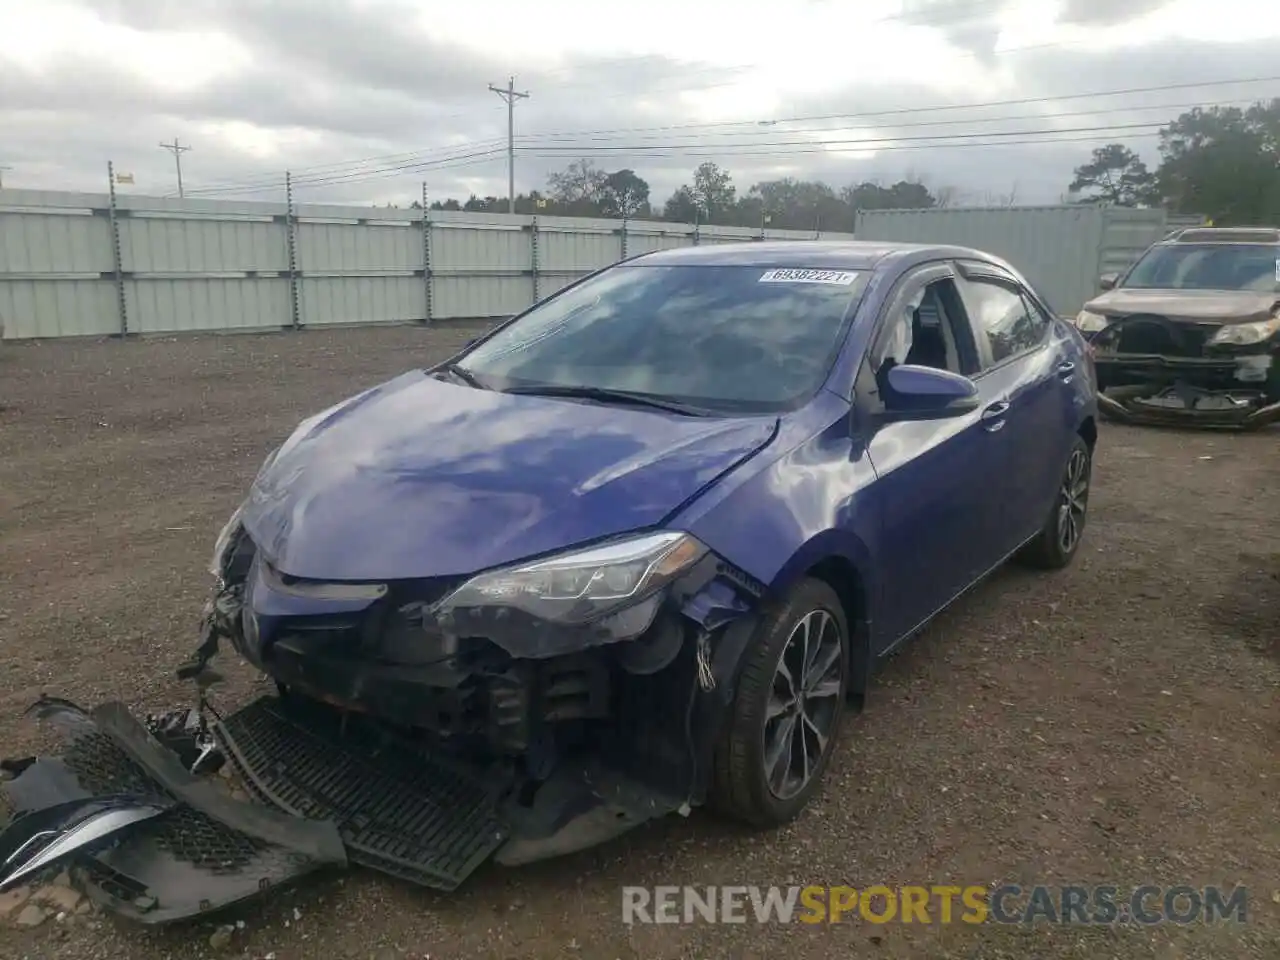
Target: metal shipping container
[[1062, 250]]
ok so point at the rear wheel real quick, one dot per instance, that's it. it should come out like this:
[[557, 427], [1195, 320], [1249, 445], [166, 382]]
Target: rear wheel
[[1059, 538], [786, 712]]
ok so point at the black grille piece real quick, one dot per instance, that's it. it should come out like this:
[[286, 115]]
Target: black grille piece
[[102, 767], [194, 838], [399, 810], [179, 865], [186, 834]]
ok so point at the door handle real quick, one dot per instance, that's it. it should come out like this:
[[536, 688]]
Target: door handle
[[993, 416], [1066, 369]]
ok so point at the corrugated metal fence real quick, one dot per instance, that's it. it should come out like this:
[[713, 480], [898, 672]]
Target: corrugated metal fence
[[1062, 250], [74, 264]]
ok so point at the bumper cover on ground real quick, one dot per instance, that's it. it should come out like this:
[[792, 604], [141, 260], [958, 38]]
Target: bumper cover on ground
[[330, 786], [399, 810], [206, 852]]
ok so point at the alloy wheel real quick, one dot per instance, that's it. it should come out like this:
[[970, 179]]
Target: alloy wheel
[[804, 703], [1073, 501]]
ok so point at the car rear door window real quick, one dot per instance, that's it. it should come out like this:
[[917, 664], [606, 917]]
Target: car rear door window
[[1005, 316]]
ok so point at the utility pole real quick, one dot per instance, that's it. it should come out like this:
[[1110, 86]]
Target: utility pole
[[177, 149], [2, 170], [510, 95]]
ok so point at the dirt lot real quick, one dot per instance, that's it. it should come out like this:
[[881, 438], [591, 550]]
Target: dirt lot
[[1115, 723]]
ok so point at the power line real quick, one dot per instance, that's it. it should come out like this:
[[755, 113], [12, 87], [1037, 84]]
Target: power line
[[535, 140], [903, 111], [460, 160], [358, 170], [324, 170], [889, 148], [177, 149], [510, 95], [643, 148], [442, 163], [773, 148]]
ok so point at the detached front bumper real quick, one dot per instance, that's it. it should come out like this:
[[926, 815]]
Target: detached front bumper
[[1234, 391], [199, 849], [1172, 406], [321, 788]]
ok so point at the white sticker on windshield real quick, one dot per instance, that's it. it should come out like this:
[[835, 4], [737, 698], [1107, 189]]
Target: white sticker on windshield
[[840, 278]]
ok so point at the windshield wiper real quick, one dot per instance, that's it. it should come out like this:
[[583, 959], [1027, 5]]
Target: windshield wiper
[[606, 395], [466, 376]]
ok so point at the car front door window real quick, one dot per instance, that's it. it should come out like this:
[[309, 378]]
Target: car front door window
[[922, 331], [1001, 313]]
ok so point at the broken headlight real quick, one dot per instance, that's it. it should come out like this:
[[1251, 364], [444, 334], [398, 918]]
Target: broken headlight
[[1243, 334], [583, 585], [1089, 322], [228, 537], [225, 545]]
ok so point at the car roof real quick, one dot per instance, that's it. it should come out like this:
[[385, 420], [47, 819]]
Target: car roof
[[816, 254]]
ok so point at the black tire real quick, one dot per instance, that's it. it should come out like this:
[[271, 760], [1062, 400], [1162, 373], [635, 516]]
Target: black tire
[[741, 787], [1052, 549]]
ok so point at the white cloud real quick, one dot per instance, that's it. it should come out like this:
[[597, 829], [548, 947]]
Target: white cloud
[[257, 86], [35, 35]]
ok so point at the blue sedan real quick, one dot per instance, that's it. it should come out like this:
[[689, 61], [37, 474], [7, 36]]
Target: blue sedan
[[641, 547]]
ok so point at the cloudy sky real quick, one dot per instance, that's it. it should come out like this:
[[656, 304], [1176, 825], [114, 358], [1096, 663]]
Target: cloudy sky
[[363, 100]]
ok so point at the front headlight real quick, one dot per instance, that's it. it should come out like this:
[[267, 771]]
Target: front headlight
[[584, 585], [225, 544], [1089, 322], [1243, 334]]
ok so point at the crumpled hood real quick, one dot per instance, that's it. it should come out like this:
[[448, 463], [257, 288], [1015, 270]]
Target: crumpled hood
[[422, 478], [1193, 306]]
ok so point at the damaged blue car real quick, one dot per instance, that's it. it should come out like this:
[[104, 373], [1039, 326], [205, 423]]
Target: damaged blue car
[[638, 549]]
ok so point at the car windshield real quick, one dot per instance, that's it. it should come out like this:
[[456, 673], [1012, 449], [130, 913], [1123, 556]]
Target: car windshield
[[721, 338], [1208, 266]]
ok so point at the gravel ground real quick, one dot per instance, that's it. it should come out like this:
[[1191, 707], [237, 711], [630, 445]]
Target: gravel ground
[[1114, 723]]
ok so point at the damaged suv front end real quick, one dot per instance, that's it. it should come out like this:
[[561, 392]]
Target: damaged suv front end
[[1191, 334]]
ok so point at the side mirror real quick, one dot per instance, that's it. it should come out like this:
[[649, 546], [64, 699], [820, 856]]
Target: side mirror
[[1108, 281], [926, 393]]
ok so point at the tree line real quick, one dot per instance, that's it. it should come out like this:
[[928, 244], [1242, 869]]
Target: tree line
[[1220, 162], [584, 190]]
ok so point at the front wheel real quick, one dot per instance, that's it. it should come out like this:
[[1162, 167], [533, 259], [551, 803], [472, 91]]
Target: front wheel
[[1058, 540], [786, 713]]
